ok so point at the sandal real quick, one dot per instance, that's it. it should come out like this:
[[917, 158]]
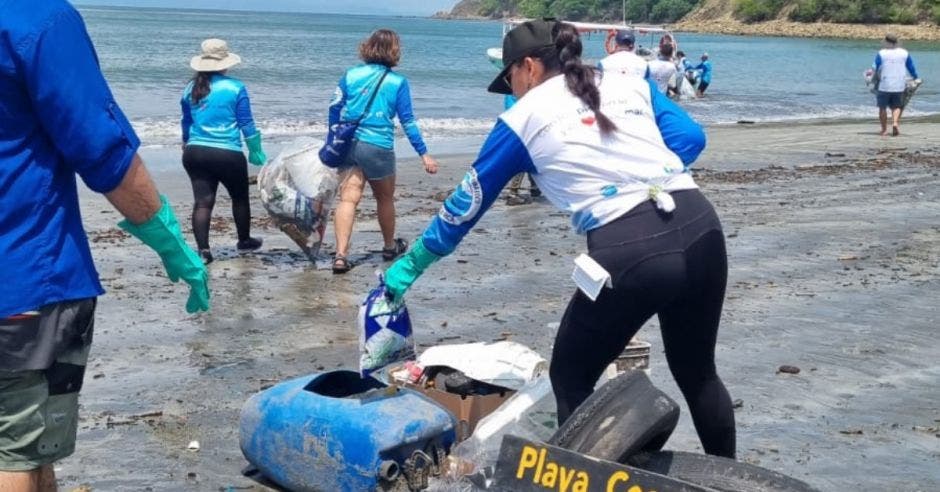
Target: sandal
[[389, 254], [341, 265], [513, 200]]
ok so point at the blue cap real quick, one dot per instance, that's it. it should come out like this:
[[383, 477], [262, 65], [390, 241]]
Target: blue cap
[[626, 36]]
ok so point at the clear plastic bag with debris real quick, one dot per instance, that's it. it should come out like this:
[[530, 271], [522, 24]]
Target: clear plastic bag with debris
[[385, 335], [297, 190], [531, 414]]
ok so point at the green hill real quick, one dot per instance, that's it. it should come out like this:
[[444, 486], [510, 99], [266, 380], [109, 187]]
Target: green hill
[[668, 11]]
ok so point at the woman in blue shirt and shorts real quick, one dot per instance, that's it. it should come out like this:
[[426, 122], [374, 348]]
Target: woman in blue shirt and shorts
[[372, 157]]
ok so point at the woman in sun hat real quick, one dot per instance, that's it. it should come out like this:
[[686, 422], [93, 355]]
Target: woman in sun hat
[[614, 152], [216, 115], [372, 157]]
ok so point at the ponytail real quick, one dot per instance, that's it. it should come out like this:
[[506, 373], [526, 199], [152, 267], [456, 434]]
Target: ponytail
[[201, 86], [578, 77]]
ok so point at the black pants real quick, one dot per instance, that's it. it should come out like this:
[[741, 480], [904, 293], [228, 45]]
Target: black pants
[[671, 265], [207, 167]]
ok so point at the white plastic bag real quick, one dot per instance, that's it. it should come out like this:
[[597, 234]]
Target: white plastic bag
[[297, 190], [384, 332], [507, 364]]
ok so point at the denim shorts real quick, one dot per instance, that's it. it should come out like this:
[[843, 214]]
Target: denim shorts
[[376, 162], [39, 405], [889, 100]]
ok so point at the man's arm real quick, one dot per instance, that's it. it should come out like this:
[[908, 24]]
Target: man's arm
[[909, 63], [94, 139], [136, 197]]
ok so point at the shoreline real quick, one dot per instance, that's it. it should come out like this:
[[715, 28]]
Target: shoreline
[[729, 26], [772, 28]]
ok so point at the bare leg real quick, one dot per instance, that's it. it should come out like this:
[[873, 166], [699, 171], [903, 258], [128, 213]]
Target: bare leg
[[895, 121], [350, 193], [883, 118], [384, 192], [39, 480]]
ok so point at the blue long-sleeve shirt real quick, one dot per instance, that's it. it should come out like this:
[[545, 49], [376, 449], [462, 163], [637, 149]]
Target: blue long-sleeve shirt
[[58, 118], [706, 68], [394, 98], [597, 178], [221, 118]]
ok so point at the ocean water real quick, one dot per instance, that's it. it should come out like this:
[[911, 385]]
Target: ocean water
[[291, 63]]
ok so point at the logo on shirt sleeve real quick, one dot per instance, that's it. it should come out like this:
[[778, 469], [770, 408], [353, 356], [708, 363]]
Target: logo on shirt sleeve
[[465, 202]]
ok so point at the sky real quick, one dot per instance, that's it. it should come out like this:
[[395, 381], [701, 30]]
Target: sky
[[380, 7]]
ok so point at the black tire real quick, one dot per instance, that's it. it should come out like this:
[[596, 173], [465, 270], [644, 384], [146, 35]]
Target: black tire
[[623, 417], [717, 473]]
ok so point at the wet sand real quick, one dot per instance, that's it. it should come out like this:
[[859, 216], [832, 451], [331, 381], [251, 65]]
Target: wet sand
[[834, 269]]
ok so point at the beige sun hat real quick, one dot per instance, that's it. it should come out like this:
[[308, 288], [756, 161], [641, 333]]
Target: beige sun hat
[[215, 57]]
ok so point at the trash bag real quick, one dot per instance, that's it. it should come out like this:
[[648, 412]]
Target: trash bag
[[297, 190], [505, 364], [384, 331]]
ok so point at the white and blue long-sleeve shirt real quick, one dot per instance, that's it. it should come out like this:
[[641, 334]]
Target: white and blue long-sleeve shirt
[[551, 134], [221, 118], [394, 98], [894, 64]]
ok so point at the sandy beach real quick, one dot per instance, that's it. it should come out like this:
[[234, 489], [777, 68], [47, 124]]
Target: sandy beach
[[834, 243]]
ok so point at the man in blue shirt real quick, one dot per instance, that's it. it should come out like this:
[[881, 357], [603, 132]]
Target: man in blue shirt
[[58, 118], [705, 79]]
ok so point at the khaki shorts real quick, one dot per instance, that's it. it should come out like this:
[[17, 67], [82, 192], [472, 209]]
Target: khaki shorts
[[39, 408]]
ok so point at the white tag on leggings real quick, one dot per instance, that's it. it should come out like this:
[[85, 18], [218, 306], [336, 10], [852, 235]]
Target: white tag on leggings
[[590, 276]]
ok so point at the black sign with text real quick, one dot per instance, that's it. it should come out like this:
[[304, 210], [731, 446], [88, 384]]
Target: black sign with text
[[526, 466]]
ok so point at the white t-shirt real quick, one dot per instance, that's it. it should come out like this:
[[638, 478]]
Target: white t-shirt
[[894, 63], [625, 63], [663, 74]]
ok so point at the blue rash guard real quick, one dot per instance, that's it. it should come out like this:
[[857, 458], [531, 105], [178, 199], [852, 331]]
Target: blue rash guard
[[597, 178], [394, 98], [706, 68], [220, 119], [57, 118]]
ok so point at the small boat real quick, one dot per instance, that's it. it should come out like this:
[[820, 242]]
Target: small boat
[[655, 35]]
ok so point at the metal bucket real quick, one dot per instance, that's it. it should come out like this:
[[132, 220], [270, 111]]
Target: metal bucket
[[636, 356]]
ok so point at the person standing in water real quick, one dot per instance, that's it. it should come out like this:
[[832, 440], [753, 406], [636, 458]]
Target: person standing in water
[[892, 65], [622, 174], [705, 79], [372, 157], [663, 70], [59, 120], [216, 114], [622, 56]]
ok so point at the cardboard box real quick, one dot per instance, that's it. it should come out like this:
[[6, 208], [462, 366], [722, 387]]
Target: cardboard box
[[469, 410]]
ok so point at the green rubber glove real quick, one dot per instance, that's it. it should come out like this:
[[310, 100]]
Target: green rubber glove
[[162, 233], [404, 272], [256, 154]]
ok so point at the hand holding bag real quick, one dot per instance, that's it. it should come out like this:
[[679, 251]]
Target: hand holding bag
[[339, 138]]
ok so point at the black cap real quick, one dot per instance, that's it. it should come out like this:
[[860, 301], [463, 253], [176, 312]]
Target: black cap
[[625, 37], [522, 40]]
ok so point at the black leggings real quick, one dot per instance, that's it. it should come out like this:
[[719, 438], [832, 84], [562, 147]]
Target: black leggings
[[673, 265], [207, 167]]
